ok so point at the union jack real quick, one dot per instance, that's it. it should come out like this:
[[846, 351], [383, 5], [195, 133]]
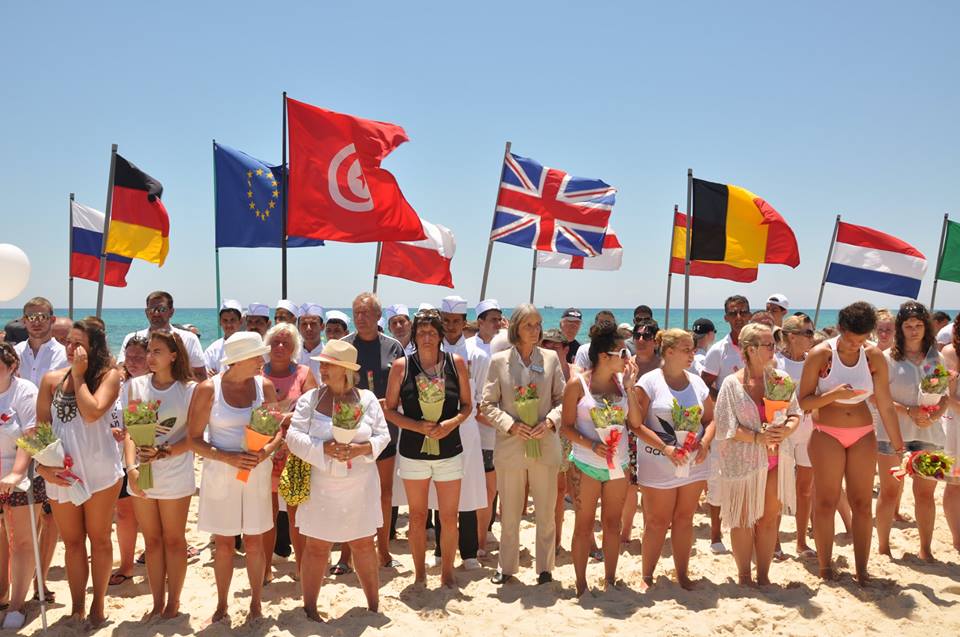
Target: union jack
[[549, 210]]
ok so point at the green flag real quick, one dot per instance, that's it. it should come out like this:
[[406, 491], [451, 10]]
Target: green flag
[[949, 269]]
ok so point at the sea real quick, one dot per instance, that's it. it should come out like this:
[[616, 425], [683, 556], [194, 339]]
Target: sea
[[121, 321]]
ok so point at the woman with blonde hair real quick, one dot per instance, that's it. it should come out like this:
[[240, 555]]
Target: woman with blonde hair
[[748, 472]]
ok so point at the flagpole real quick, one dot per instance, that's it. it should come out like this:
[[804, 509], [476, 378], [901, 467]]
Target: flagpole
[[216, 248], [666, 317], [69, 265], [533, 276], [283, 205], [486, 265], [826, 269], [686, 254], [106, 228], [376, 266], [943, 238]]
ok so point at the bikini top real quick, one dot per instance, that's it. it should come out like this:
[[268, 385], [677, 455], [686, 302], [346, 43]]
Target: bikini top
[[857, 376]]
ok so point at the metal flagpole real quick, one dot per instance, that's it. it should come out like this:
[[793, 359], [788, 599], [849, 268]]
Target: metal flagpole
[[533, 276], [666, 317], [106, 228], [376, 266], [826, 268], [41, 585], [216, 249], [69, 268], [686, 254], [283, 205], [486, 265], [943, 238]]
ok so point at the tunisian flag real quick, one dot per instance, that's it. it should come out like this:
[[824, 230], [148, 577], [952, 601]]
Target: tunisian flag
[[610, 259], [338, 191], [426, 261]]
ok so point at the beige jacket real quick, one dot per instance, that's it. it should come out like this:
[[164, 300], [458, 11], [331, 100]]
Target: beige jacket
[[505, 374]]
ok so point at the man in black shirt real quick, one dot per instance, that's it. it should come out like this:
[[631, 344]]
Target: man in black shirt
[[570, 325]]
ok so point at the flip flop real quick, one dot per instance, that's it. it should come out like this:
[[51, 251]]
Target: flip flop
[[116, 579], [340, 569], [779, 556], [807, 554], [391, 564], [192, 552], [597, 555], [49, 597]]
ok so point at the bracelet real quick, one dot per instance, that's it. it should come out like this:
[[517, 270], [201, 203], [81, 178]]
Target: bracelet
[[132, 466]]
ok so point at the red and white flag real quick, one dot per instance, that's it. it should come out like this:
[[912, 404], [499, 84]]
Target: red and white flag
[[424, 261], [610, 259], [338, 191]]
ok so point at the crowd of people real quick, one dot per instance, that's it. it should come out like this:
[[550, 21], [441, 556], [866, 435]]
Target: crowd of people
[[463, 424]]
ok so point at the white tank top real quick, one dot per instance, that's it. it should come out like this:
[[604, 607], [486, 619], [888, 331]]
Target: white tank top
[[227, 423], [587, 429], [858, 376]]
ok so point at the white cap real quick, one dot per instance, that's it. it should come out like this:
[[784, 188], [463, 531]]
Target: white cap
[[453, 305], [395, 310], [779, 299], [289, 306], [945, 335], [337, 315], [231, 304], [258, 309], [311, 309], [425, 306], [487, 304]]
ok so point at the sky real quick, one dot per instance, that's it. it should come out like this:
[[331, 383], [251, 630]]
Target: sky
[[821, 108]]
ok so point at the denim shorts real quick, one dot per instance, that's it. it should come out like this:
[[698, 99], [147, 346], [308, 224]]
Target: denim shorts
[[886, 449]]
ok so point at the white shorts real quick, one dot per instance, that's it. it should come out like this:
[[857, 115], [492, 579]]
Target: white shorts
[[231, 507], [801, 440], [436, 470]]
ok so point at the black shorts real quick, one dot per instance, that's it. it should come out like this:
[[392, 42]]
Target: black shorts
[[19, 498], [488, 460]]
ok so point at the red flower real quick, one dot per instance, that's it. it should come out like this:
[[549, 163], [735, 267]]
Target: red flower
[[4, 417]]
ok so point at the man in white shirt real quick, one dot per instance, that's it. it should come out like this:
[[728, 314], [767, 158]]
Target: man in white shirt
[[40, 353], [159, 310], [581, 361], [397, 317], [231, 314], [286, 312], [311, 332], [945, 335]]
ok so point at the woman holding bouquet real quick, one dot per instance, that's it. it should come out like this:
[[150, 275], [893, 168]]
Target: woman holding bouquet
[[223, 405], [951, 430], [527, 451], [81, 404], [748, 474], [673, 403], [161, 506], [838, 377], [344, 501], [18, 416], [913, 357], [430, 449], [596, 410]]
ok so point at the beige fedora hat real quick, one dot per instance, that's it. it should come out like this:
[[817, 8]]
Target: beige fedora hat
[[339, 353], [241, 346]]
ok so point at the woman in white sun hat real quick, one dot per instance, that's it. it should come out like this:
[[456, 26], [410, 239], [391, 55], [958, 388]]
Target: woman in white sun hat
[[228, 506], [344, 501]]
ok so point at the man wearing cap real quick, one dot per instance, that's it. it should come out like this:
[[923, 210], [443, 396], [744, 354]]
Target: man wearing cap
[[286, 312], [230, 321], [258, 318], [570, 323], [337, 325], [553, 339], [159, 310], [375, 353], [398, 324], [310, 324], [778, 306], [704, 333]]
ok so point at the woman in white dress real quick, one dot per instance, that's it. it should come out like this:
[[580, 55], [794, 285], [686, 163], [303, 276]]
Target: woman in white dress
[[161, 510], [228, 506], [344, 502], [81, 404]]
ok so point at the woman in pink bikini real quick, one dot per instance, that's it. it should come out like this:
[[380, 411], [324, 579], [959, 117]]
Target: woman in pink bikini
[[838, 377]]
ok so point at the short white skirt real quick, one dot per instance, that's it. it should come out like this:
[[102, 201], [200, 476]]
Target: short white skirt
[[341, 509], [231, 507]]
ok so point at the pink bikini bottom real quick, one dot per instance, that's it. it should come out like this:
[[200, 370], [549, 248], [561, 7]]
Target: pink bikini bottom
[[846, 436]]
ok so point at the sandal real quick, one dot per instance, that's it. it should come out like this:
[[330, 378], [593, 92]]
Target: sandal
[[192, 552], [142, 559], [807, 554], [48, 596], [597, 554], [116, 579], [392, 564], [340, 569]]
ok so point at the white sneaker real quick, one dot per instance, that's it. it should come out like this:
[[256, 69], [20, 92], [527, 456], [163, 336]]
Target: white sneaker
[[471, 564], [435, 561], [718, 548]]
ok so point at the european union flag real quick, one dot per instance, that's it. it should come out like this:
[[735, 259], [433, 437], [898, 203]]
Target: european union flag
[[248, 202]]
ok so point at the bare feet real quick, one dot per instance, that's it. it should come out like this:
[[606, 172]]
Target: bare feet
[[685, 582], [313, 615], [828, 574], [863, 580], [581, 587], [154, 613], [927, 556], [171, 611], [746, 580], [884, 550], [255, 612], [95, 620], [449, 582], [646, 583], [218, 616], [763, 580], [902, 517]]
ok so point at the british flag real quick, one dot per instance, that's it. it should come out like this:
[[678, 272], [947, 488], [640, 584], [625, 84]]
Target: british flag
[[548, 210]]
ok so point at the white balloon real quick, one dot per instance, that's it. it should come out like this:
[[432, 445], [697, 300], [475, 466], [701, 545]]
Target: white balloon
[[14, 271]]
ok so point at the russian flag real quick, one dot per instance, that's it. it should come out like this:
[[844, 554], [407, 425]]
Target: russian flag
[[873, 260], [87, 239]]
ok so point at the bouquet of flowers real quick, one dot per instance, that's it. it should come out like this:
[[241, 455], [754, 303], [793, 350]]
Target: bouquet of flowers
[[346, 420], [930, 465], [778, 390], [933, 385], [609, 422], [431, 393], [683, 434], [263, 426], [140, 419], [527, 400], [44, 446]]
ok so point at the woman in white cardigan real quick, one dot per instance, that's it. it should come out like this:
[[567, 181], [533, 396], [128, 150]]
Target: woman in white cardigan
[[344, 501]]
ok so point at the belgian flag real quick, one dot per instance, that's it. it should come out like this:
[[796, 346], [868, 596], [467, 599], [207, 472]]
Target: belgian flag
[[709, 269], [139, 224], [735, 227]]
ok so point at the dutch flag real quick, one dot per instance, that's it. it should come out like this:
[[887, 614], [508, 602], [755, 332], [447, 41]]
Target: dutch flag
[[873, 260]]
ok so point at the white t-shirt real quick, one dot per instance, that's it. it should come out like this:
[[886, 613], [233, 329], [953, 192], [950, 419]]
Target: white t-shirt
[[18, 413], [722, 359], [582, 358], [52, 356], [478, 378], [697, 365], [653, 469], [945, 335], [305, 359], [190, 341], [213, 354], [172, 477]]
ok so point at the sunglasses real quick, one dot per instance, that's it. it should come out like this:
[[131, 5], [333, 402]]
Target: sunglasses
[[645, 336], [38, 317], [740, 313], [427, 314], [623, 352], [158, 309], [769, 346], [912, 310], [807, 333]]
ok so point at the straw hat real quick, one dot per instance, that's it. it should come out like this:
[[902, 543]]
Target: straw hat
[[241, 346], [339, 353]]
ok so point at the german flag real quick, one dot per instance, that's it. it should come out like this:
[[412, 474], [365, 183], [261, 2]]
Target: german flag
[[710, 269], [139, 225], [731, 225]]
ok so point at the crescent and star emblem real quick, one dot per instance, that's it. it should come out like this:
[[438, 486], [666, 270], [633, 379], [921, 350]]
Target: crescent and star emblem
[[348, 187]]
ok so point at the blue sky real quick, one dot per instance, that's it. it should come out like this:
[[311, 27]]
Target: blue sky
[[819, 107]]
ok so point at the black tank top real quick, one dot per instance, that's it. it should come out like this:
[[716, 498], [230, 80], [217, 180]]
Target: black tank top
[[412, 441]]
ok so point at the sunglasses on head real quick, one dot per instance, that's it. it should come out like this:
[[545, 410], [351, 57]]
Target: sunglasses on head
[[913, 310], [427, 314]]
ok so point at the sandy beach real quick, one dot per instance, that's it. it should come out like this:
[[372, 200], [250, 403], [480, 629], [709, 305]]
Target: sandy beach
[[907, 597]]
